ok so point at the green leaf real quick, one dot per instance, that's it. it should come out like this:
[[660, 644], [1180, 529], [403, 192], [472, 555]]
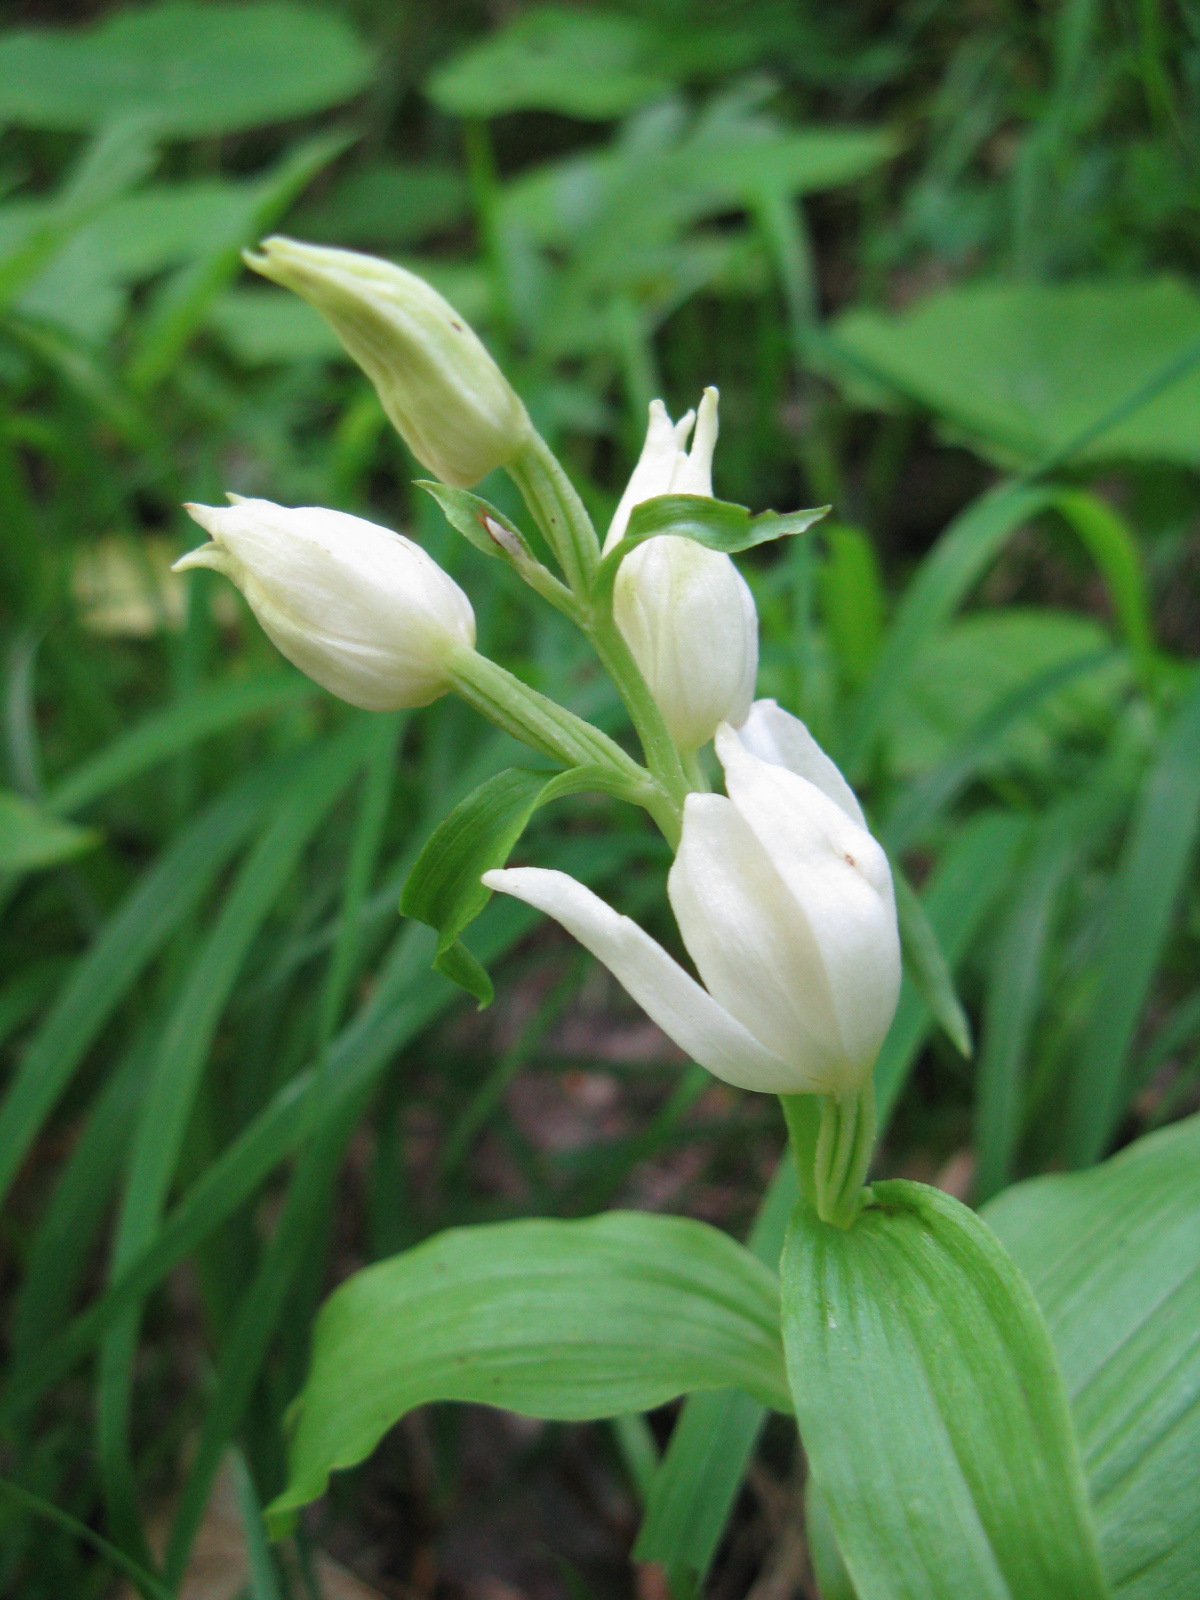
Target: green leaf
[[945, 577], [443, 889], [1113, 1256], [388, 203], [181, 304], [969, 879], [703, 1466], [178, 727], [924, 961], [1111, 543], [833, 1581], [191, 69], [404, 1002], [850, 585], [582, 64], [161, 899], [1019, 967], [565, 1320], [1150, 878], [29, 840], [119, 157], [265, 327], [931, 1406], [716, 524], [1024, 367], [502, 540]]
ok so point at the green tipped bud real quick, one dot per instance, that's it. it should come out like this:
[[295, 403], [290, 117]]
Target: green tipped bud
[[441, 390]]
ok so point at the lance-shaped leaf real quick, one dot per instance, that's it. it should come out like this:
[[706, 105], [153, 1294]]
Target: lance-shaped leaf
[[716, 524], [29, 840], [444, 888], [564, 1320], [927, 966], [1113, 1256], [932, 1408]]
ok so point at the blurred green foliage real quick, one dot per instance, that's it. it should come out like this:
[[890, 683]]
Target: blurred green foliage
[[939, 260]]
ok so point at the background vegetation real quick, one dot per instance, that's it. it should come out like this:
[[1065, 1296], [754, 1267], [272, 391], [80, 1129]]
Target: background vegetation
[[938, 257]]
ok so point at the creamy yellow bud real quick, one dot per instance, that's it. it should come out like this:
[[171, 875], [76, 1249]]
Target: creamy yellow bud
[[441, 390], [363, 611]]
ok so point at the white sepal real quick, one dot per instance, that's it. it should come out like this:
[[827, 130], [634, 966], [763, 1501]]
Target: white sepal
[[682, 1009], [363, 611], [773, 734]]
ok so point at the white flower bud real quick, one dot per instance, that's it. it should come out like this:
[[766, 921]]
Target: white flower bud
[[785, 904], [685, 612], [363, 611], [441, 390]]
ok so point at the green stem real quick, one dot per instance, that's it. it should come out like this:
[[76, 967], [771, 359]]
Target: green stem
[[559, 734], [662, 757], [833, 1140], [558, 511], [802, 1113]]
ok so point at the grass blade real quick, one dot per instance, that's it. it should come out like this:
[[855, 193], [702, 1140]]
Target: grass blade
[[157, 905], [1149, 880]]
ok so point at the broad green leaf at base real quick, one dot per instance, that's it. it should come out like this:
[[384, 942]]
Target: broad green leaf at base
[[564, 1320], [931, 1407], [1113, 1256]]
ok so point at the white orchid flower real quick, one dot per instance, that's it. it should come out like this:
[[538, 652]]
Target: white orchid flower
[[785, 905], [363, 611], [685, 612]]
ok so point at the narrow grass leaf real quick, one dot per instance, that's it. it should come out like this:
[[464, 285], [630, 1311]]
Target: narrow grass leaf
[[711, 1444], [29, 840], [1149, 880], [926, 964], [405, 1001], [962, 890], [167, 893], [181, 1057], [166, 733], [946, 576]]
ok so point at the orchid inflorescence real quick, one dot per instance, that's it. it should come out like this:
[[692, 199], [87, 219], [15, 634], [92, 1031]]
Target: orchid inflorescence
[[783, 899]]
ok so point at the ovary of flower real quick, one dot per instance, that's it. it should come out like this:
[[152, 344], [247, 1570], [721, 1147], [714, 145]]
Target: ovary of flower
[[685, 612], [785, 904], [363, 611]]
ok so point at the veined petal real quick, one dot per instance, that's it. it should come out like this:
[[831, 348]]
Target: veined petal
[[752, 944], [773, 734], [840, 877], [681, 1007]]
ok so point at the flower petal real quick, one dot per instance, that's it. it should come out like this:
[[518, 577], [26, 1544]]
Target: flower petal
[[693, 473], [840, 877], [774, 735], [651, 476], [752, 944], [682, 1009]]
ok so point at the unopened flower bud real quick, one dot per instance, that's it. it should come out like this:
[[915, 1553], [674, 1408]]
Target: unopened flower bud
[[363, 611], [441, 390], [686, 613]]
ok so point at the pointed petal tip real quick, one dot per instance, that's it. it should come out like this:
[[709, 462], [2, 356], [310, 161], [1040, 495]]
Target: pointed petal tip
[[205, 555]]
